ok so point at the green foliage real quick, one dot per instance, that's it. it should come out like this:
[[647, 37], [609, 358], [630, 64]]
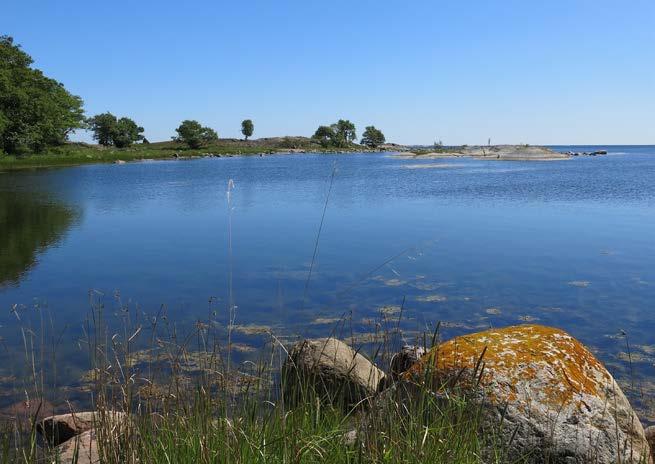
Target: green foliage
[[75, 153], [247, 128], [127, 132], [341, 134], [194, 134], [324, 134], [108, 130], [344, 133], [372, 137], [35, 111], [103, 126]]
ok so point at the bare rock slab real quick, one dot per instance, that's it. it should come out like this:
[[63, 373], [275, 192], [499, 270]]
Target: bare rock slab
[[336, 372], [556, 402]]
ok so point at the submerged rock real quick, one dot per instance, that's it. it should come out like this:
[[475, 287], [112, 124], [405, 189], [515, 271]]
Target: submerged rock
[[23, 413], [544, 395], [333, 370]]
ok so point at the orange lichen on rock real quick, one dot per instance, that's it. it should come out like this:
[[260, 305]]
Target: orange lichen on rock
[[556, 363], [559, 399]]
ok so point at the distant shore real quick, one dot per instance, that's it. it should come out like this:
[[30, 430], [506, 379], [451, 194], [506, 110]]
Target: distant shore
[[493, 152], [75, 153]]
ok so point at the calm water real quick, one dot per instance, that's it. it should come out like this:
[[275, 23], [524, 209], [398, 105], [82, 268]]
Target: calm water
[[470, 243]]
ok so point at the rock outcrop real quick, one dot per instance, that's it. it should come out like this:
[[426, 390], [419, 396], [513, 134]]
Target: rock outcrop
[[544, 395], [334, 371]]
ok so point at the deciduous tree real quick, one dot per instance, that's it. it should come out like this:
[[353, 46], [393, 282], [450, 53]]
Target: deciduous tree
[[341, 134], [126, 133], [109, 130], [247, 128], [194, 134], [35, 111], [344, 133], [324, 134], [372, 137], [103, 127]]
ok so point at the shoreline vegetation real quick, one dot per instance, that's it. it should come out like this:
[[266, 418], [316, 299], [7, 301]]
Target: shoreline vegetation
[[79, 153], [485, 398]]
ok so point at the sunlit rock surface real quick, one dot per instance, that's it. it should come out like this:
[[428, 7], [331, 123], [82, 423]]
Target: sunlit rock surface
[[333, 369], [544, 394]]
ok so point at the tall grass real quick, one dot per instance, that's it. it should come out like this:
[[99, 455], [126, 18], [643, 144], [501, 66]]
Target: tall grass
[[184, 403], [187, 400]]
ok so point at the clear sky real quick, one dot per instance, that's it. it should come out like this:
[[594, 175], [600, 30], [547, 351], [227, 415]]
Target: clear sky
[[539, 72]]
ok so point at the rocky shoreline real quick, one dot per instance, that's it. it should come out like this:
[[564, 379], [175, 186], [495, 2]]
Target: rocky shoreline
[[541, 394]]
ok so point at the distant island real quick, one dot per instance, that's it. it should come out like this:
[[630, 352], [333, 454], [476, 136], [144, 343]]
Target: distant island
[[492, 152]]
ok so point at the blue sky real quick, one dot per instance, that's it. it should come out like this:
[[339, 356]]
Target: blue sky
[[556, 72]]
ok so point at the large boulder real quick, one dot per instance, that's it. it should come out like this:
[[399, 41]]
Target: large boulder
[[543, 395], [330, 369]]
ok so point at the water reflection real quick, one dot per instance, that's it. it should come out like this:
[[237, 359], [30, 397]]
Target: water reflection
[[28, 226], [490, 244]]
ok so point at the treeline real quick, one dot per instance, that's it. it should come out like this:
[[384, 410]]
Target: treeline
[[37, 112]]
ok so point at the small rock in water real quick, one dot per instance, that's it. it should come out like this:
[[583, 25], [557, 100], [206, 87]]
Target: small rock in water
[[432, 298]]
